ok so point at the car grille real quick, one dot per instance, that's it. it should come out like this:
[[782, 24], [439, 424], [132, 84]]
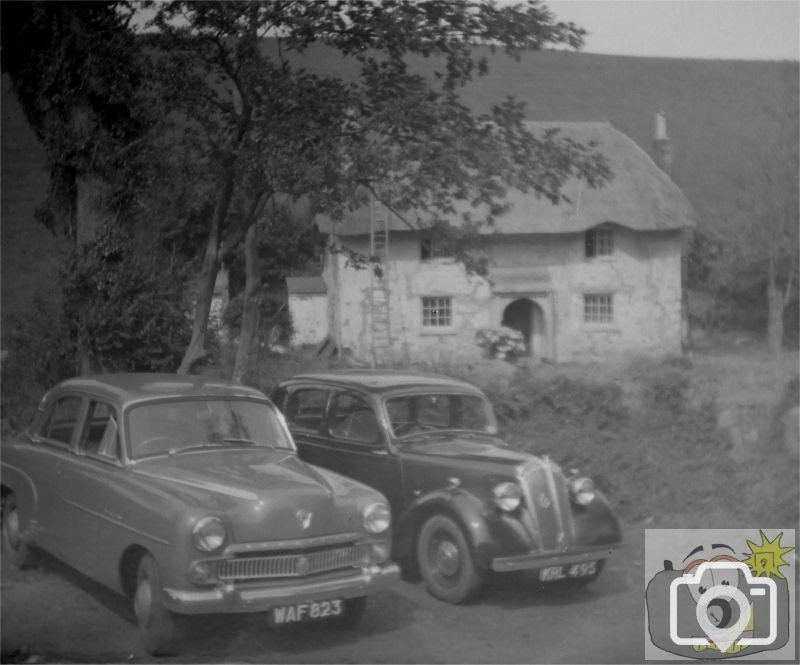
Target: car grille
[[547, 498], [291, 565]]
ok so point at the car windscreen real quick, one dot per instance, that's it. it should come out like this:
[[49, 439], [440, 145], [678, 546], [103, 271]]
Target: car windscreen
[[429, 412], [170, 427]]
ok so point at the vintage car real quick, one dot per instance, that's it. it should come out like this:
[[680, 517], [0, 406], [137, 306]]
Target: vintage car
[[188, 496], [463, 502]]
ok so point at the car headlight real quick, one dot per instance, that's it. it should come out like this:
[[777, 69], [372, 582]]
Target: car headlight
[[582, 491], [209, 534], [377, 517], [507, 496]]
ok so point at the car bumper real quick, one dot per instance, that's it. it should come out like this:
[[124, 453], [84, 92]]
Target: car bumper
[[538, 560], [260, 597]]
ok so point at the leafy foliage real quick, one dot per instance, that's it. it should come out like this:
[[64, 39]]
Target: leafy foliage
[[39, 354], [501, 343], [122, 306], [75, 69]]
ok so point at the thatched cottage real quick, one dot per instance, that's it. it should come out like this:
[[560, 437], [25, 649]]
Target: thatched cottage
[[594, 278]]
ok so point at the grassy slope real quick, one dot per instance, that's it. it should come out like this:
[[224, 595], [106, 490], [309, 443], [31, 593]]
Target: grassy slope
[[716, 111]]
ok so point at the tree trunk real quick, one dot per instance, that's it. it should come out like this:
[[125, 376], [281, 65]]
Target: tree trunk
[[251, 305], [208, 276], [774, 318]]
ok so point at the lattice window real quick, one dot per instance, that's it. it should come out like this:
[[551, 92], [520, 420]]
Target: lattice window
[[599, 242], [437, 311], [598, 308]]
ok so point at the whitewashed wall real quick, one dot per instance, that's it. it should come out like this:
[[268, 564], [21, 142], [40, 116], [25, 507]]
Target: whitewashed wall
[[643, 275]]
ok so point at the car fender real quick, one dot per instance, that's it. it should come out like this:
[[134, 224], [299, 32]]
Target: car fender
[[468, 510], [15, 480]]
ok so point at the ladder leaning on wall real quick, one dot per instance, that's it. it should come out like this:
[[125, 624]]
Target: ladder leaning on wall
[[379, 293]]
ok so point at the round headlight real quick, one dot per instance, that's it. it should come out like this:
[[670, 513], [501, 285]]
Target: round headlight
[[377, 518], [507, 496], [209, 534], [582, 491]]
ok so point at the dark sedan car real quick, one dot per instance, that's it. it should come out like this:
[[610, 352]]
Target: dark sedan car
[[463, 502], [187, 495]]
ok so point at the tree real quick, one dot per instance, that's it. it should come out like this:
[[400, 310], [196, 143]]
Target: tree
[[80, 75], [760, 248], [74, 68], [270, 130]]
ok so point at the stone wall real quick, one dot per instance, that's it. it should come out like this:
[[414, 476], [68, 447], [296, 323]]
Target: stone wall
[[549, 270]]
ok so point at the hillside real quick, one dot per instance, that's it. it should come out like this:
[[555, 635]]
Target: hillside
[[716, 112]]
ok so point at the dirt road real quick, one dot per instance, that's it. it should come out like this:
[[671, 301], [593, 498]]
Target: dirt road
[[53, 614]]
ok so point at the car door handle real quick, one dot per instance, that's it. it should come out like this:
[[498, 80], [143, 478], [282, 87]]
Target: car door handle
[[380, 452]]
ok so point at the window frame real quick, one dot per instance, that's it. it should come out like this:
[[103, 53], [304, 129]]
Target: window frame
[[599, 313], [77, 428], [290, 401], [431, 314], [114, 417], [335, 439], [599, 243]]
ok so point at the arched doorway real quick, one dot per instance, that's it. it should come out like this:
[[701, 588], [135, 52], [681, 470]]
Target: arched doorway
[[527, 316]]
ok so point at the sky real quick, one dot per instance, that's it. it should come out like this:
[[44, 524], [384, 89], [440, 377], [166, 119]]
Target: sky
[[717, 29]]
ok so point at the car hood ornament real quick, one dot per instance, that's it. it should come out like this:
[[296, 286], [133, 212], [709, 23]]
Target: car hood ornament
[[304, 517]]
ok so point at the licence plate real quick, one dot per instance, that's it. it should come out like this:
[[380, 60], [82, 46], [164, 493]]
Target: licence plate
[[570, 571], [322, 609]]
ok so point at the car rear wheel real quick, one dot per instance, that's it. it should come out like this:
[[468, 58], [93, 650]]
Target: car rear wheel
[[14, 546], [445, 561], [156, 623]]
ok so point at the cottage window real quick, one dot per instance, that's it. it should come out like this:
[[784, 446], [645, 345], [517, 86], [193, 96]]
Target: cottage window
[[432, 245], [598, 308], [599, 242], [437, 311]]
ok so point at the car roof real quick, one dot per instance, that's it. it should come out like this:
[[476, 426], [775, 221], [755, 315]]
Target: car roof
[[126, 388], [384, 380]]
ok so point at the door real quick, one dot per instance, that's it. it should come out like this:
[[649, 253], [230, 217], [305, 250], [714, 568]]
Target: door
[[92, 483], [51, 449]]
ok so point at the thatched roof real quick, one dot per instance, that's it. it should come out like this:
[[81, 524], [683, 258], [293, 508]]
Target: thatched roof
[[640, 196]]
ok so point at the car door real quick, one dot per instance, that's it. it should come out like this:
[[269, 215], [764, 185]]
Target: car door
[[348, 438], [51, 447], [92, 487]]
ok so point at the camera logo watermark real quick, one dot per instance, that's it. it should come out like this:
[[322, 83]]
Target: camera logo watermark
[[720, 594]]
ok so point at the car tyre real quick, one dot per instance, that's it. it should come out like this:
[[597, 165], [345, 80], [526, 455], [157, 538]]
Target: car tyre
[[445, 561], [157, 625], [15, 549]]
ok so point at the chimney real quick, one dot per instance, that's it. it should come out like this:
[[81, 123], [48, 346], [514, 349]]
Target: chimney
[[662, 147]]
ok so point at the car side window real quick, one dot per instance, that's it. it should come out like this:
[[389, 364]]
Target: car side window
[[62, 420], [353, 418], [101, 432], [305, 409]]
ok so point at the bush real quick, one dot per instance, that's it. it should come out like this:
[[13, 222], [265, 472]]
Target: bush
[[665, 386], [122, 308], [561, 396], [39, 354], [501, 343]]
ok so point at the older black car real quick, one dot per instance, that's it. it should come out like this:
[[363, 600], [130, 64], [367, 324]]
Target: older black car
[[463, 502]]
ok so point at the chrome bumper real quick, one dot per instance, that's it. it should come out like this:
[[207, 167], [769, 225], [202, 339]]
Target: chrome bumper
[[260, 597], [538, 560]]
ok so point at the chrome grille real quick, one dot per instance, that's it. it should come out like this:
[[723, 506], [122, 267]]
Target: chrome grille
[[547, 498], [291, 565]]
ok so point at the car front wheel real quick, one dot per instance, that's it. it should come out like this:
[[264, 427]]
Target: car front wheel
[[156, 623], [445, 562], [14, 546]]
